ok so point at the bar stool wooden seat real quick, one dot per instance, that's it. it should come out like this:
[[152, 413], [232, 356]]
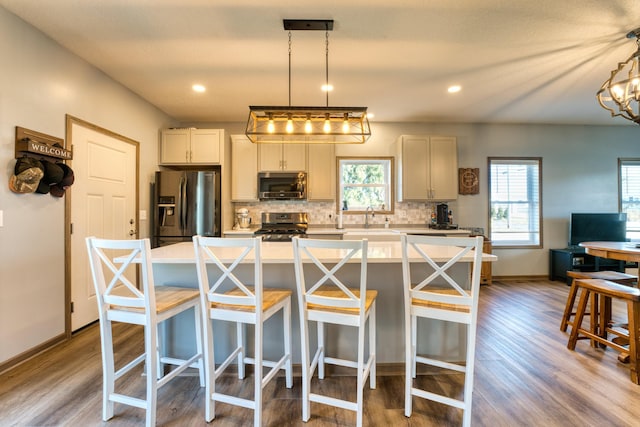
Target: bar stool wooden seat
[[612, 276], [608, 290]]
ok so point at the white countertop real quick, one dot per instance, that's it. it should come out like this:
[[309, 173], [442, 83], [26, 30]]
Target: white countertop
[[282, 253], [242, 231], [392, 230], [332, 230]]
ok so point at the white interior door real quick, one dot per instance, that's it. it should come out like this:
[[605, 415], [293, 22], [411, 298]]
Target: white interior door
[[103, 204]]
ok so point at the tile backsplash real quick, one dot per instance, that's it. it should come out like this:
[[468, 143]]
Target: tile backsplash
[[324, 213]]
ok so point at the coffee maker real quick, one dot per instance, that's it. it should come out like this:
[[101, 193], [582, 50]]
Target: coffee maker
[[442, 214]]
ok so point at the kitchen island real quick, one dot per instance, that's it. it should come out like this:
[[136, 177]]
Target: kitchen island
[[175, 265]]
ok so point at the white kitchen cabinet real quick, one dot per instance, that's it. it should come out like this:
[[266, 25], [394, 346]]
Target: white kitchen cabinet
[[321, 172], [191, 146], [244, 169], [282, 157], [427, 168]]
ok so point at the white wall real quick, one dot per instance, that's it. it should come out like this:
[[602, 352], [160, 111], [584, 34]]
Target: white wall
[[40, 82], [579, 172]]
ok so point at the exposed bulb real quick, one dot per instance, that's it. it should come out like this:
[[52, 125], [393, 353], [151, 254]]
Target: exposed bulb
[[327, 124], [345, 123], [617, 91], [307, 125], [271, 127], [289, 127]]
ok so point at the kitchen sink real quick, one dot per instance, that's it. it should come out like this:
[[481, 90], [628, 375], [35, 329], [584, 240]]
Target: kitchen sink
[[372, 235]]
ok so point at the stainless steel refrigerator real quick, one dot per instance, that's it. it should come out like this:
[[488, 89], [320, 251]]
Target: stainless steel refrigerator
[[186, 203]]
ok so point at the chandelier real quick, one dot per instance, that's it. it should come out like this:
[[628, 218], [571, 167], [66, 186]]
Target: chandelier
[[296, 124], [620, 94]]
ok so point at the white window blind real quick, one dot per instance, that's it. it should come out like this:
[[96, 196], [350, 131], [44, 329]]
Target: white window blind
[[629, 195], [514, 200]]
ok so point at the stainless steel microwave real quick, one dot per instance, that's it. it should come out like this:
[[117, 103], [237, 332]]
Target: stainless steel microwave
[[282, 185]]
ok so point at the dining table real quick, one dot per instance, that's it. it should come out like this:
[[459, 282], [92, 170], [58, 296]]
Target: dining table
[[621, 251]]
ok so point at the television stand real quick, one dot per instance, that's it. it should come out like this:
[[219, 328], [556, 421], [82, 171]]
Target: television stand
[[575, 258]]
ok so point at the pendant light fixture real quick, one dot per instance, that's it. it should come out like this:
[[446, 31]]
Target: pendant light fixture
[[295, 124], [620, 94]]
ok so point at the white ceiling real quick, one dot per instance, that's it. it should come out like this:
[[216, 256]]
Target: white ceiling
[[518, 61]]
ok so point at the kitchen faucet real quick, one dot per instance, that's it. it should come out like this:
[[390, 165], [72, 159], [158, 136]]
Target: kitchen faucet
[[366, 216]]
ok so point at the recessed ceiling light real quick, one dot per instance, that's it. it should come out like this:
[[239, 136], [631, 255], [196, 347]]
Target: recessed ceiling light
[[198, 88], [370, 115], [327, 88], [454, 89]]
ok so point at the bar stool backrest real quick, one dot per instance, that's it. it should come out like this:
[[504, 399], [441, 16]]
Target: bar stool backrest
[[121, 298], [438, 286], [307, 255], [210, 249]]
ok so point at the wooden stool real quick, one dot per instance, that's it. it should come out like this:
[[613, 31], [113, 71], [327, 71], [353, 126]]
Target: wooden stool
[[609, 290], [612, 276]]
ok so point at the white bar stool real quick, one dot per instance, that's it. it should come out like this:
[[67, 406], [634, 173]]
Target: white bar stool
[[329, 300], [225, 297], [438, 296], [119, 300]]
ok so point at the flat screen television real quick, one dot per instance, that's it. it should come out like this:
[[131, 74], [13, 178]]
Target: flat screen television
[[594, 227]]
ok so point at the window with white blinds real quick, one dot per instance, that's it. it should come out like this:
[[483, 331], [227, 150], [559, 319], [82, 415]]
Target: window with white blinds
[[514, 201], [629, 194]]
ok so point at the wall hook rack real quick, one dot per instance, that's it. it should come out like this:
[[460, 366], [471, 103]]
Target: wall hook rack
[[39, 145]]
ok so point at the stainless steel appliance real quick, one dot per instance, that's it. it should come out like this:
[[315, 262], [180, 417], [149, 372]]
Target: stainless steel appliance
[[185, 203], [283, 226], [282, 185], [243, 220]]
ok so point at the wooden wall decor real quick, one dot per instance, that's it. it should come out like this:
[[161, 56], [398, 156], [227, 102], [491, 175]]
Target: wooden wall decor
[[468, 181], [39, 145]]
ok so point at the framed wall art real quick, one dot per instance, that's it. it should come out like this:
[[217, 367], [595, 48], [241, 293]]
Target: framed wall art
[[468, 181]]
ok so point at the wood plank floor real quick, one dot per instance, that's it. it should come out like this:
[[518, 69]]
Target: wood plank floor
[[525, 376]]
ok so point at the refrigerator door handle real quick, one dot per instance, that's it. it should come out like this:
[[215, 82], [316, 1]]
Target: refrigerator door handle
[[182, 212]]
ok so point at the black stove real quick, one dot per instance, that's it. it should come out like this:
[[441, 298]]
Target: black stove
[[283, 226]]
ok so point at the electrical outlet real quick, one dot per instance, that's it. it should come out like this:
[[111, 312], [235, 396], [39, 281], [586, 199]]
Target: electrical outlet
[[142, 215]]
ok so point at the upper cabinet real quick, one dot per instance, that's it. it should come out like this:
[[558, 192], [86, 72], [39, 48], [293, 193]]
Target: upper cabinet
[[282, 157], [427, 168], [321, 176], [244, 169], [191, 146]]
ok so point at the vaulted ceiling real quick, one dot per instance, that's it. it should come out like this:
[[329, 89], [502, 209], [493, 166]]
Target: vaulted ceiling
[[519, 61]]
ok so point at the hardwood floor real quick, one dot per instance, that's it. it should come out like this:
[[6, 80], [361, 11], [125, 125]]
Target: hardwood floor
[[525, 376]]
